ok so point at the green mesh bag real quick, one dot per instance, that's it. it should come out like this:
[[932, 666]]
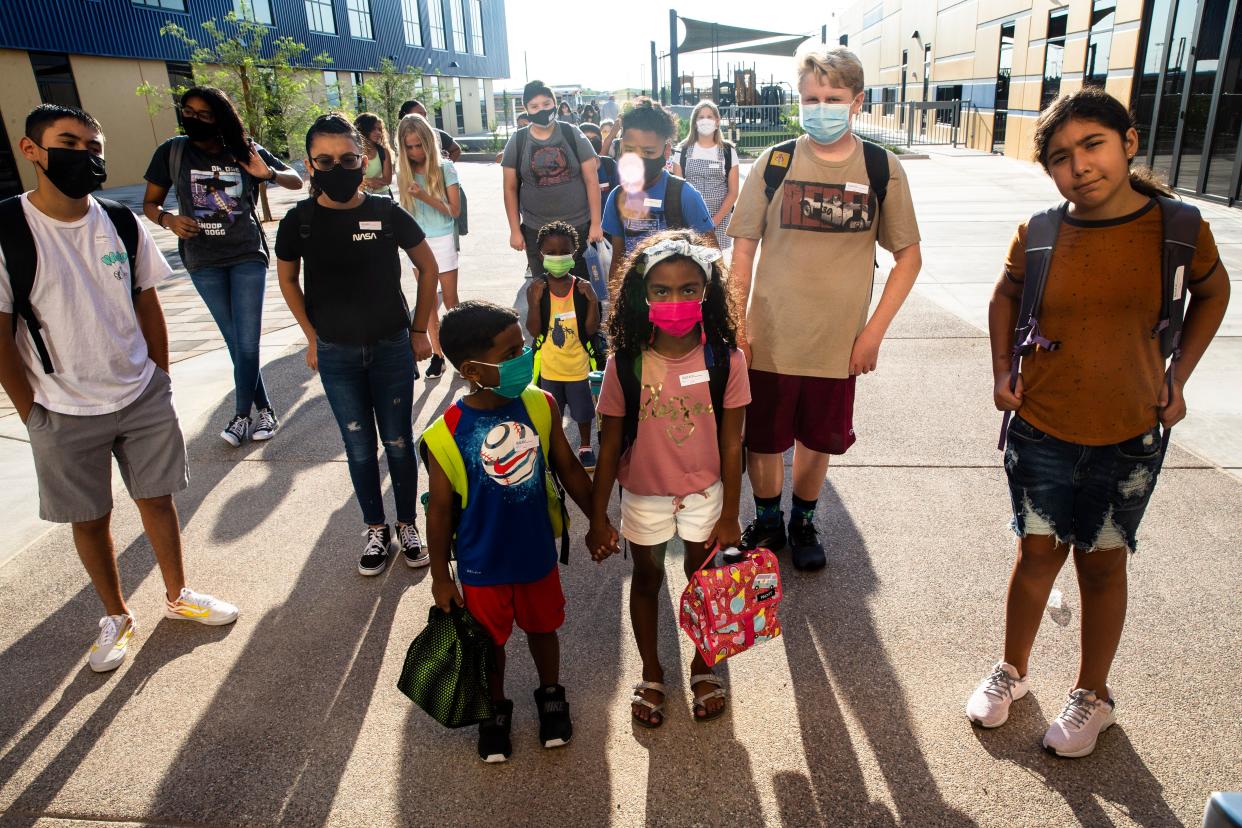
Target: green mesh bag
[[447, 668]]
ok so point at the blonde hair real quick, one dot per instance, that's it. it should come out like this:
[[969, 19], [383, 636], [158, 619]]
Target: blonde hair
[[838, 66], [434, 176], [693, 135]]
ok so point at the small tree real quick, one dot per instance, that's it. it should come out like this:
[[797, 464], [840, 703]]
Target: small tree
[[390, 87], [269, 84]]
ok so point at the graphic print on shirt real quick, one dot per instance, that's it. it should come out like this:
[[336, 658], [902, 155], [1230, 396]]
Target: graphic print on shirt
[[117, 263], [217, 196], [679, 412], [550, 166], [826, 208], [510, 453]]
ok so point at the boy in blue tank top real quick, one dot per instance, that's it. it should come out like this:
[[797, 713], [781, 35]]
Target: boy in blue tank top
[[491, 449]]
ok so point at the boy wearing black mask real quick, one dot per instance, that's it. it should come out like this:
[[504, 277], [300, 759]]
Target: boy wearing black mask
[[608, 178], [88, 372]]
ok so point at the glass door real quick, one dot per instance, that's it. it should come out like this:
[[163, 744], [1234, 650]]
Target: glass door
[[1200, 94]]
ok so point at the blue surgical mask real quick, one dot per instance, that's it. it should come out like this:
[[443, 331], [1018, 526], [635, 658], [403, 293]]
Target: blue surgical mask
[[515, 374], [825, 122]]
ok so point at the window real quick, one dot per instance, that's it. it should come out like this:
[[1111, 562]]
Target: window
[[457, 8], [180, 75], [459, 106], [260, 11], [1000, 116], [319, 16], [483, 106], [873, 16], [54, 76], [332, 89], [358, 97], [413, 28], [476, 29], [1054, 57], [174, 5], [359, 12], [435, 17], [889, 96], [1099, 42], [434, 104], [844, 40], [947, 92]]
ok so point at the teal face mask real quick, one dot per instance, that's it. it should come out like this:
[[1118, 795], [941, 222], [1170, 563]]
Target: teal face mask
[[558, 265], [515, 374], [824, 122]]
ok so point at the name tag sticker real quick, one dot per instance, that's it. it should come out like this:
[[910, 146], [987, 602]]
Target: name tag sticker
[[565, 316], [530, 441], [1178, 279], [370, 225], [851, 187], [715, 165], [694, 378], [653, 202]]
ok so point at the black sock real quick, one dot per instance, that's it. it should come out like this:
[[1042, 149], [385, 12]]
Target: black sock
[[803, 510], [768, 510]]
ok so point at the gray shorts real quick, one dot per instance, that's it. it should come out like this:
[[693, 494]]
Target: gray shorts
[[73, 454], [576, 396]]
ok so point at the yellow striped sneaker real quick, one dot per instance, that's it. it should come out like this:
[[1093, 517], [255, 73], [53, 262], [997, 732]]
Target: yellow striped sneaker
[[109, 649], [197, 606]]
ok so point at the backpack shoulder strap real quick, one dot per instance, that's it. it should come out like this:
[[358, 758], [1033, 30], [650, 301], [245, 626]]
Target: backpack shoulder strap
[[719, 358], [569, 134], [306, 217], [780, 159], [1041, 239], [1181, 238], [727, 150], [682, 152], [674, 217], [581, 308], [21, 260], [438, 440], [176, 152], [126, 224], [539, 408], [545, 313], [630, 375], [878, 174]]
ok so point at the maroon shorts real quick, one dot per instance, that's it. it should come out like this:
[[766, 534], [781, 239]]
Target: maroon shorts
[[537, 607], [818, 412]]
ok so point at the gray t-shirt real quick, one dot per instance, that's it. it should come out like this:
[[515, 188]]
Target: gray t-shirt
[[551, 176], [217, 192]]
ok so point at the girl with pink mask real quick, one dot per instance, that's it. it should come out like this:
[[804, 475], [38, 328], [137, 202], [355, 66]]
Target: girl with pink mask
[[672, 404]]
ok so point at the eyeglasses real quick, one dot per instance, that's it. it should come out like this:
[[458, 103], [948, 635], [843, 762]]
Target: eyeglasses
[[198, 114], [326, 163]]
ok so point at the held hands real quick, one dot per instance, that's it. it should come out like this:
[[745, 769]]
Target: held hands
[[1007, 400], [602, 540], [516, 240], [183, 227], [445, 593], [866, 353], [1172, 408]]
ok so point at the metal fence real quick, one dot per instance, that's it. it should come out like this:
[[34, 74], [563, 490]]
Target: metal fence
[[913, 123]]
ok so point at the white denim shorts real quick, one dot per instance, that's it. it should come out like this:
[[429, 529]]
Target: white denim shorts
[[444, 248], [649, 520]]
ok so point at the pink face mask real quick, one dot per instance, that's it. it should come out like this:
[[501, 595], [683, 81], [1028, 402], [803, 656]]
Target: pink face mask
[[676, 318]]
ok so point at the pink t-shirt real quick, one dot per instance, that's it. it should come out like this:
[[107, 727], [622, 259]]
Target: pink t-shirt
[[676, 452]]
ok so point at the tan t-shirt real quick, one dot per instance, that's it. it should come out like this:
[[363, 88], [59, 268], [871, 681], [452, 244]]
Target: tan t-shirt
[[1102, 300], [813, 281]]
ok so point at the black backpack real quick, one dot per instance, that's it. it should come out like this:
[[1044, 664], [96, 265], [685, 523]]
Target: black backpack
[[596, 346], [1181, 237], [717, 356], [22, 261], [673, 217], [684, 153], [780, 160]]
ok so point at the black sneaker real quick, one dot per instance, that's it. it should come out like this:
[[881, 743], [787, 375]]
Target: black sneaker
[[236, 431], [494, 743], [806, 550], [555, 727], [412, 546], [378, 550], [760, 535], [436, 368]]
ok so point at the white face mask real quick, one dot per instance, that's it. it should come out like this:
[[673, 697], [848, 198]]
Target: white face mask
[[706, 126]]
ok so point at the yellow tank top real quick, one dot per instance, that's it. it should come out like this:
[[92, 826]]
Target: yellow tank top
[[562, 357]]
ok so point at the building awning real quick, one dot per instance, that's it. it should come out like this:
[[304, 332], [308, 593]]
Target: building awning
[[701, 34], [779, 48]]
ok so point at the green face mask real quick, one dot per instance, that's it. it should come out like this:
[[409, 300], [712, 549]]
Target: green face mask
[[558, 265]]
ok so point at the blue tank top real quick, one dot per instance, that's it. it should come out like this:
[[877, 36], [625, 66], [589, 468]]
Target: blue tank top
[[505, 534]]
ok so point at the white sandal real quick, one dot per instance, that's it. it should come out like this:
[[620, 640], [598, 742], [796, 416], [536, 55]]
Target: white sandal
[[655, 709], [701, 701]]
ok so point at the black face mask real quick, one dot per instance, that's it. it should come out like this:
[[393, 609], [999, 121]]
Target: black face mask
[[197, 130], [543, 117], [76, 173], [595, 145], [338, 183], [652, 167]]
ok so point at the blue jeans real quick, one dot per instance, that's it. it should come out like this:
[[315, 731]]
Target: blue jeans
[[234, 295], [369, 387]]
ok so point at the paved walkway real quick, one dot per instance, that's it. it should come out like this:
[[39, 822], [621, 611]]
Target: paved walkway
[[852, 718]]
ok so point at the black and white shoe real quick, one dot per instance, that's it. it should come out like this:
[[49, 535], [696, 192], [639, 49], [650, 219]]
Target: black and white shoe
[[265, 425], [436, 368], [555, 726], [412, 546], [494, 742], [758, 535], [378, 550], [236, 431]]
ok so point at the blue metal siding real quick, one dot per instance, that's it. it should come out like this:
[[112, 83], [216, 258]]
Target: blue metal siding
[[118, 28]]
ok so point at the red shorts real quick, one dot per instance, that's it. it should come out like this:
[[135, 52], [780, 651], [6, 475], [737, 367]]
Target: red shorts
[[818, 412], [537, 607]]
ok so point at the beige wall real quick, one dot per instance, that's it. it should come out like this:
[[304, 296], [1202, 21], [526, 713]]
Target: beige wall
[[490, 98], [18, 95]]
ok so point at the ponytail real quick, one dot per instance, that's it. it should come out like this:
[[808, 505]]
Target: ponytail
[[1145, 180]]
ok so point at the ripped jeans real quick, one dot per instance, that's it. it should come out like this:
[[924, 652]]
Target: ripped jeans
[[368, 387], [1091, 497]]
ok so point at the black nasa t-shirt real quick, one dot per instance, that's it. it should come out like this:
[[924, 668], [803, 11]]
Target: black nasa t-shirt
[[352, 268]]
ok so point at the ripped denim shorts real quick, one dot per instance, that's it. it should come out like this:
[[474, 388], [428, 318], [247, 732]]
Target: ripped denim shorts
[[1092, 497]]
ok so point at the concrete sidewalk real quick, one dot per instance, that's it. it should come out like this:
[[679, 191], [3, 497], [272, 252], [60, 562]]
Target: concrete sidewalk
[[854, 717]]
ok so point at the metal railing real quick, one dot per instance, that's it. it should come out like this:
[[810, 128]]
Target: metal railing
[[913, 123], [752, 129]]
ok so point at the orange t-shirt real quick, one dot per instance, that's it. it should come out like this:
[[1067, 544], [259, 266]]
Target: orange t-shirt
[[1101, 302]]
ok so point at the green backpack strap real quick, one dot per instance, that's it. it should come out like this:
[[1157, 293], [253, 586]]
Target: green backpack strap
[[438, 440], [539, 408]]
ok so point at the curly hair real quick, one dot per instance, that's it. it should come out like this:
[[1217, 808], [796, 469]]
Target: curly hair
[[557, 228], [629, 328]]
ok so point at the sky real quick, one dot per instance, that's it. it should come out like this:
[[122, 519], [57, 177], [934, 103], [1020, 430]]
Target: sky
[[606, 44]]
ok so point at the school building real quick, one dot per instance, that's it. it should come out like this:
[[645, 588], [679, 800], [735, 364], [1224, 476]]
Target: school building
[[1176, 63], [96, 53]]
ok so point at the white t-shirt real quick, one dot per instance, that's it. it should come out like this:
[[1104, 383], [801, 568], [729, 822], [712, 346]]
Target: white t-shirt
[[82, 297], [709, 154]]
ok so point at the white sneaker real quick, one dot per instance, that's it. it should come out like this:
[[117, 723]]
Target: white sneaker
[[109, 649], [196, 606], [1074, 733], [988, 706]]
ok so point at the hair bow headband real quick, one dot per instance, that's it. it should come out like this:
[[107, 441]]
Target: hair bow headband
[[702, 255]]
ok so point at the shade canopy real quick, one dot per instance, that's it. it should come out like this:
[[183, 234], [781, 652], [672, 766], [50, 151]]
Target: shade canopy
[[701, 34], [779, 48]]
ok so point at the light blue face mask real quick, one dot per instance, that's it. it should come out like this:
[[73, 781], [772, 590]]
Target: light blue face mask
[[825, 122]]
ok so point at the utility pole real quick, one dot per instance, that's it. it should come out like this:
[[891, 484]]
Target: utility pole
[[655, 73], [674, 81], [525, 66]]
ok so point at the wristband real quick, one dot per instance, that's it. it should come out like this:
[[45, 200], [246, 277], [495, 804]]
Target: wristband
[[415, 330], [160, 218]]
